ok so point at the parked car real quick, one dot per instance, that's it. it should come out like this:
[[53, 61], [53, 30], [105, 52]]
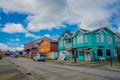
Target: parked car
[[14, 56], [39, 57]]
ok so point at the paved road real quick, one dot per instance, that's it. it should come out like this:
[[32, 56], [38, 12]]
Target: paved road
[[50, 71], [10, 72]]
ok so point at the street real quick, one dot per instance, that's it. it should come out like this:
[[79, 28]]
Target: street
[[10, 72], [50, 71]]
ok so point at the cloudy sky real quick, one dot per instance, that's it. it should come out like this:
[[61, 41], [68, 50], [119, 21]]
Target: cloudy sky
[[22, 21]]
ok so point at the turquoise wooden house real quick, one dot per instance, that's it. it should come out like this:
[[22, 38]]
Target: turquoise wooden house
[[88, 45]]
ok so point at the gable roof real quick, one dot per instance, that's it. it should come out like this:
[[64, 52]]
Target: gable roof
[[99, 30], [81, 30], [48, 39], [69, 34], [66, 33], [111, 31], [102, 29]]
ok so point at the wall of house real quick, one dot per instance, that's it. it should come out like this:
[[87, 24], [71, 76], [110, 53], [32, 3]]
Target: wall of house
[[53, 47], [44, 48], [104, 45], [92, 44], [29, 47], [59, 44]]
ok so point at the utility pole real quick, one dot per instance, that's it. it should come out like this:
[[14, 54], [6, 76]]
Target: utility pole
[[118, 51]]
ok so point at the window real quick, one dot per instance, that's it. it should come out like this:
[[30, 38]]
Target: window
[[81, 53], [86, 38], [47, 45], [61, 43], [108, 52], [64, 42], [76, 54], [99, 52], [80, 39], [117, 41], [68, 41], [102, 38], [97, 37], [74, 40]]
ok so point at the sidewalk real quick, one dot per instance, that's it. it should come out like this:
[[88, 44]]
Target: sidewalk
[[105, 65], [97, 72], [10, 72]]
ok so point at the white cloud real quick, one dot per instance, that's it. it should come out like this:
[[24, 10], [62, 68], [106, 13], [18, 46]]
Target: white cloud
[[48, 14], [47, 35], [31, 35], [4, 47], [17, 40], [118, 28], [13, 28], [20, 48], [54, 37]]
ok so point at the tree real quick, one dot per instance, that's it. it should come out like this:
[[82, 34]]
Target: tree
[[0, 55]]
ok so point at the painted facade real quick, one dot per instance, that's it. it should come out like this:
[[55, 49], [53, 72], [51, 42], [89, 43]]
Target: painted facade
[[88, 45], [49, 48], [31, 48]]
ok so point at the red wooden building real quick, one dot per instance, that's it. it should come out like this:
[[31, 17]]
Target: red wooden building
[[31, 48]]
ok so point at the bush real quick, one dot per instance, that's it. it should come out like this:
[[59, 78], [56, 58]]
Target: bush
[[0, 56], [49, 59], [22, 56]]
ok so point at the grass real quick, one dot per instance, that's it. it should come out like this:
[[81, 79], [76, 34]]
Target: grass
[[117, 62], [25, 58], [7, 76], [0, 56], [50, 59]]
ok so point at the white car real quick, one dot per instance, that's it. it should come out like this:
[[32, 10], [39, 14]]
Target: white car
[[39, 57]]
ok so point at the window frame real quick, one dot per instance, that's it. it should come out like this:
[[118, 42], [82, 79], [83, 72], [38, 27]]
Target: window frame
[[81, 53], [86, 38], [98, 53], [61, 42], [80, 39], [74, 41], [97, 37], [107, 53], [102, 37]]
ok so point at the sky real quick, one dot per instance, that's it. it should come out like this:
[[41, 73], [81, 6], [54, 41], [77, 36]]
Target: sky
[[22, 21]]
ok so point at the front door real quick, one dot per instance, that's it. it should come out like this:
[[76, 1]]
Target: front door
[[88, 55]]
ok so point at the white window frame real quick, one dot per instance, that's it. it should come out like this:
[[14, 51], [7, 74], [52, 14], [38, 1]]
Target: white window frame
[[102, 37], [86, 38], [80, 39], [61, 43], [74, 41], [97, 37]]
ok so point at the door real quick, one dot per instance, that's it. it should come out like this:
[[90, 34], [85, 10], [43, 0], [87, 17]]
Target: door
[[88, 55]]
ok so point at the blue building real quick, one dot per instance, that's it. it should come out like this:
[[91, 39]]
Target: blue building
[[88, 45]]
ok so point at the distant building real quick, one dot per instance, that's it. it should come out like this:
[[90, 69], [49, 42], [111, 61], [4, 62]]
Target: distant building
[[49, 48], [88, 45], [31, 48]]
